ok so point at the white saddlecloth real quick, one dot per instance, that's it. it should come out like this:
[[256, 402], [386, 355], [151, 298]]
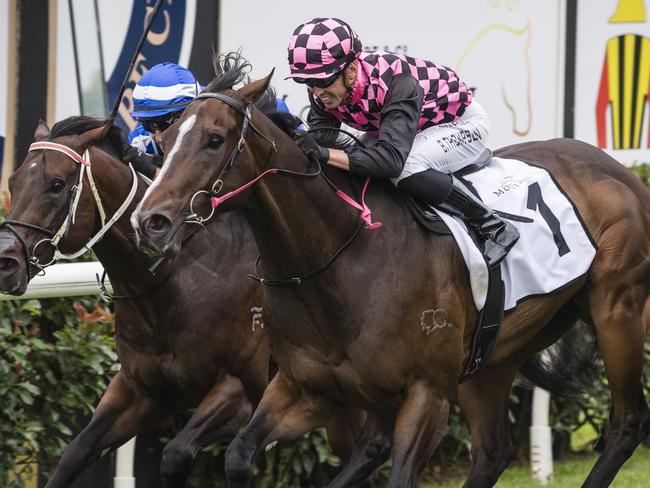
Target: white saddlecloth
[[554, 247]]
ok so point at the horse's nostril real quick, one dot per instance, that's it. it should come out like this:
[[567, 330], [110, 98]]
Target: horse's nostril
[[8, 264], [157, 223]]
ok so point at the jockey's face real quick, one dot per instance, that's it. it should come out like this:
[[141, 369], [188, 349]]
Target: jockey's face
[[338, 93], [333, 95], [156, 126], [157, 136]]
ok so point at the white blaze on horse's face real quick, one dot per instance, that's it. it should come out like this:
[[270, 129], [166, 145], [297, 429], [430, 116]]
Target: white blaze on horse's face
[[185, 127]]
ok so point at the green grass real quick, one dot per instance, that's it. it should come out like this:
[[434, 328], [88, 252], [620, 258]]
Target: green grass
[[569, 473]]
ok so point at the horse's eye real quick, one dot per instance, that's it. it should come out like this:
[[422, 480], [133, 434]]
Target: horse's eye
[[56, 186], [215, 141]]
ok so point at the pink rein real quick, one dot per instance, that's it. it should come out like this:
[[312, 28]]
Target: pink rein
[[366, 213]]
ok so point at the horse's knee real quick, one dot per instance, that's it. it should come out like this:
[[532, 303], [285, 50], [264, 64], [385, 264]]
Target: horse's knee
[[177, 460], [633, 425], [645, 421], [488, 464], [379, 448], [239, 462]]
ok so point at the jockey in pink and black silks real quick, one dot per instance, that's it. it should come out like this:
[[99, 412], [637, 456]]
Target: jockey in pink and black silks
[[422, 118]]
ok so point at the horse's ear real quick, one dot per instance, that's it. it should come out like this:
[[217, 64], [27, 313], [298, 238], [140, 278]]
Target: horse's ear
[[251, 92], [94, 136], [42, 131]]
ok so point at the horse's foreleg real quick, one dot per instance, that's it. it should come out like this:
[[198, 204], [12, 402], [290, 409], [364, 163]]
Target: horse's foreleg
[[370, 452], [220, 414], [621, 332], [421, 423], [286, 412], [122, 413], [343, 431], [484, 402]]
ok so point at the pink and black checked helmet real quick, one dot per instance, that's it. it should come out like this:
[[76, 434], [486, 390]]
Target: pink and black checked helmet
[[321, 48]]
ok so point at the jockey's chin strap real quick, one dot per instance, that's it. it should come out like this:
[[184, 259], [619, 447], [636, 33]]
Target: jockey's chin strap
[[69, 220]]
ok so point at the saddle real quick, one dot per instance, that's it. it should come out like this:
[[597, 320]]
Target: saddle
[[427, 215]]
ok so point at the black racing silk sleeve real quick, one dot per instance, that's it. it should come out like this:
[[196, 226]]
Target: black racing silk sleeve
[[318, 118], [399, 123]]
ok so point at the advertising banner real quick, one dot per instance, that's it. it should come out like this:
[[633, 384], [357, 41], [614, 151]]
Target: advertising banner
[[613, 78], [511, 52], [121, 23]]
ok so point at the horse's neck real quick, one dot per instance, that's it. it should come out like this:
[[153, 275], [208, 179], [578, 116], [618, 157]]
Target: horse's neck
[[298, 222], [117, 249]]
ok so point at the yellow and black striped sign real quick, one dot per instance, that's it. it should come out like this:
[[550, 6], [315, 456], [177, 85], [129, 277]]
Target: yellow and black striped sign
[[624, 87]]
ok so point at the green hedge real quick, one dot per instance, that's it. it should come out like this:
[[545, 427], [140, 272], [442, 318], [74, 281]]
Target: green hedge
[[56, 357]]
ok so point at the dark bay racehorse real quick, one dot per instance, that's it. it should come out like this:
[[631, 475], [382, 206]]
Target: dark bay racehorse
[[352, 334], [184, 338], [191, 336]]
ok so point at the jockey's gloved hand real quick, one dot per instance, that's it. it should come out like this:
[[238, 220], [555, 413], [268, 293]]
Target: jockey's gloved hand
[[144, 163], [311, 148]]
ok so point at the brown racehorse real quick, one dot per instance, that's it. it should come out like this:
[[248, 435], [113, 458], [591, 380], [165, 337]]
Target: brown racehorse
[[189, 337], [351, 335], [184, 337]]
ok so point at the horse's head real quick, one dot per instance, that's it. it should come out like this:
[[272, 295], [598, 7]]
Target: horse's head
[[43, 209], [210, 150]]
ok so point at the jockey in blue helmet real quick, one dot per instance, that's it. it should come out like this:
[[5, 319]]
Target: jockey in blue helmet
[[159, 98]]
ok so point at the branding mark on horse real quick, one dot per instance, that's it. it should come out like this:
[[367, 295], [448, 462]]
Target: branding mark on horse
[[257, 318], [434, 319]]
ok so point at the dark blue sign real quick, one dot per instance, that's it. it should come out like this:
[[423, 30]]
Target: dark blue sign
[[163, 43]]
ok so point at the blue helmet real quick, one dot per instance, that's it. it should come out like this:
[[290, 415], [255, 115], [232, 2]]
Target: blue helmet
[[164, 89]]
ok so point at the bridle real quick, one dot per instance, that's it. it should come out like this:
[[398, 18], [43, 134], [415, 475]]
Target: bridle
[[194, 218], [217, 200], [53, 237]]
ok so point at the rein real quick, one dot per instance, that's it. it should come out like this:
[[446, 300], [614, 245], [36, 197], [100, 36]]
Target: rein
[[216, 200], [53, 237]]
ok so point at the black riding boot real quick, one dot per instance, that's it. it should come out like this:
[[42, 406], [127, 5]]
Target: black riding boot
[[497, 235]]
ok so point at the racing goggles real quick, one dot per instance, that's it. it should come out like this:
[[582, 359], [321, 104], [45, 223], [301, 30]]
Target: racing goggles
[[319, 82], [158, 123]]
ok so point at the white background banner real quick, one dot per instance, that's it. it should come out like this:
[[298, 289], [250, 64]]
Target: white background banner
[[510, 51]]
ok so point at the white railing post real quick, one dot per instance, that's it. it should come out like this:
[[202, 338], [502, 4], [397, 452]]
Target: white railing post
[[124, 466], [541, 443]]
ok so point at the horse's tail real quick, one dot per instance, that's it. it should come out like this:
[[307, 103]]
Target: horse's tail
[[566, 368]]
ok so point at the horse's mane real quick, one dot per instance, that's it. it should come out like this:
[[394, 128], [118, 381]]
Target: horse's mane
[[114, 141], [231, 69]]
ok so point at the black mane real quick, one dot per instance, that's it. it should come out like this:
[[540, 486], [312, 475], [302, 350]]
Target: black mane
[[231, 69], [114, 141]]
